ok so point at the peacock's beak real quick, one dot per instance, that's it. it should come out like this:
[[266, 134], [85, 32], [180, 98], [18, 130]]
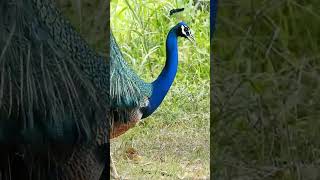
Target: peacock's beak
[[191, 38]]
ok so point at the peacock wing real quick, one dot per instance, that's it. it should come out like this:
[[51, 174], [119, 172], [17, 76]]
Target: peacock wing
[[128, 91]]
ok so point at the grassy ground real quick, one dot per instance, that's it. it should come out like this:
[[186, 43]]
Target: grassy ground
[[266, 86], [174, 142]]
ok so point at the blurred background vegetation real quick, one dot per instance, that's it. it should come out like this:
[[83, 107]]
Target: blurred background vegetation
[[88, 17], [174, 142], [265, 90]]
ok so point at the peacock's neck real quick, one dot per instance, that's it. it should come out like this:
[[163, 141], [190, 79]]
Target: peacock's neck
[[162, 84]]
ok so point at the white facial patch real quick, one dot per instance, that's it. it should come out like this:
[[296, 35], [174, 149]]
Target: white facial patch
[[183, 31]]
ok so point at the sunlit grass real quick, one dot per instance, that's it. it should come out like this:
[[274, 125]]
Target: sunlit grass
[[174, 142]]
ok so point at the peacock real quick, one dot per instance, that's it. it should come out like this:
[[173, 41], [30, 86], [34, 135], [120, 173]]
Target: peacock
[[135, 99], [60, 100]]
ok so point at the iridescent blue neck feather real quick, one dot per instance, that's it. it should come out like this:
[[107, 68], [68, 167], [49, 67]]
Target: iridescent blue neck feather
[[162, 84]]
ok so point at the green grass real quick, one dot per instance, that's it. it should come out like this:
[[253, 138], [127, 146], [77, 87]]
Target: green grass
[[174, 142], [266, 86]]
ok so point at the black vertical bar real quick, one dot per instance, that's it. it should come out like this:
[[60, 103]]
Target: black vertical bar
[[213, 14]]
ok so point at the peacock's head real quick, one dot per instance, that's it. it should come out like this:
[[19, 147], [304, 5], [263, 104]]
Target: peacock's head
[[183, 30]]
